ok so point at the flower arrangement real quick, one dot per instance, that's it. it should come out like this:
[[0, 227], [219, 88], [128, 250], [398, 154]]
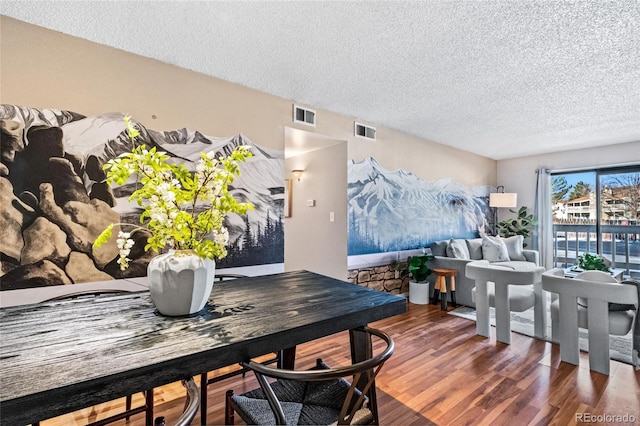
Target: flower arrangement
[[182, 210]]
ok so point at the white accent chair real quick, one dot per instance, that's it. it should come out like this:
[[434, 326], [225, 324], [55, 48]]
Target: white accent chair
[[586, 302], [507, 286]]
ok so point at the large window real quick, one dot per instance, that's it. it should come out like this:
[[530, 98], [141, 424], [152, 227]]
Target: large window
[[597, 211]]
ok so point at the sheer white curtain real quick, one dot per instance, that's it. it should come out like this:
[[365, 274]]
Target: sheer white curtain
[[542, 239]]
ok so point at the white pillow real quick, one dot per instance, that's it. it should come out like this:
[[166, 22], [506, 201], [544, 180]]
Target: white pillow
[[494, 249], [514, 247], [457, 249], [475, 248]]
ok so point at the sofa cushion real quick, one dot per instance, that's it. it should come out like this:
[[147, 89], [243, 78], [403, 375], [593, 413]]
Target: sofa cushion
[[514, 247], [439, 248], [475, 248], [620, 322], [521, 297], [457, 249], [517, 265], [494, 249]]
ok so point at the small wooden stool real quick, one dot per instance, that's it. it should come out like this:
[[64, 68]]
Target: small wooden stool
[[440, 288]]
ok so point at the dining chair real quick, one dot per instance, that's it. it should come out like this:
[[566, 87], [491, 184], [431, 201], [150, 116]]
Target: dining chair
[[129, 411], [595, 301], [509, 288], [191, 405], [321, 395], [205, 380]]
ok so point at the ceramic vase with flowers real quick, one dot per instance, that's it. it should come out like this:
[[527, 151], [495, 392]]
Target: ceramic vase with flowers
[[184, 212]]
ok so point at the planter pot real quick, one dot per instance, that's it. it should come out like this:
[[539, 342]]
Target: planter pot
[[180, 282], [419, 292]]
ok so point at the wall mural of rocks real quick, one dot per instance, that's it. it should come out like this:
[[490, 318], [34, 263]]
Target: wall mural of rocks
[[54, 201]]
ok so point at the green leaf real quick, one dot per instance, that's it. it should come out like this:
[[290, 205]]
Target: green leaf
[[103, 237]]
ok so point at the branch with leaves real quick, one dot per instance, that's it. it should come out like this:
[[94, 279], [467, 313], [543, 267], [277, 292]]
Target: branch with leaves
[[182, 210]]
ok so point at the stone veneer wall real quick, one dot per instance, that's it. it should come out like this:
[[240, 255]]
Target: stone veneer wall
[[384, 278]]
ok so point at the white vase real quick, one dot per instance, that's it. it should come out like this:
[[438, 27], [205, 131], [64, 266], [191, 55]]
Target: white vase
[[419, 292], [180, 282]]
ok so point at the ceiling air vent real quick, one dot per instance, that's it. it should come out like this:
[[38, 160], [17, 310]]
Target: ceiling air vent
[[304, 116], [366, 132]]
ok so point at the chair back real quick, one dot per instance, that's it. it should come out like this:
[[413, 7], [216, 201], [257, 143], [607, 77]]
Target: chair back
[[590, 285], [362, 373], [598, 276]]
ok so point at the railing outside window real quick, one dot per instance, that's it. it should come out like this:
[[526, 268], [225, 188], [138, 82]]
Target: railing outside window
[[620, 244], [597, 211]]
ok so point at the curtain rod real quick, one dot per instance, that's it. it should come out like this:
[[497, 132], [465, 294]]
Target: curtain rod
[[590, 169]]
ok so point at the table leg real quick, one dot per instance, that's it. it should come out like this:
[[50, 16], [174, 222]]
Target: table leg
[[287, 358]]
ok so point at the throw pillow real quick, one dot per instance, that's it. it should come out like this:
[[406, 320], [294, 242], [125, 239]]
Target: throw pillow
[[514, 247], [439, 248], [474, 247], [494, 249], [457, 249]]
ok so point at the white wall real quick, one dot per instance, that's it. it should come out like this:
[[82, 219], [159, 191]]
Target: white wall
[[312, 241], [518, 174]]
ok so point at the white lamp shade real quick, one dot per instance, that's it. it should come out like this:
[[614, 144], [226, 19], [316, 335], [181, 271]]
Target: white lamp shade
[[503, 199]]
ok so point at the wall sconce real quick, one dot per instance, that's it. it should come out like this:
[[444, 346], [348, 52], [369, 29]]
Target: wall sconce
[[297, 173], [501, 199]]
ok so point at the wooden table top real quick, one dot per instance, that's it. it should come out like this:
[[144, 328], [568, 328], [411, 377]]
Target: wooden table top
[[61, 356]]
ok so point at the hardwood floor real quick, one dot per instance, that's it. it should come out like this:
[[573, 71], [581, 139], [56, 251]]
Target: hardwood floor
[[443, 373]]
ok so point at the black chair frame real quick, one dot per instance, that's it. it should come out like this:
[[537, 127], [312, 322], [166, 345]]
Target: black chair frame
[[367, 370]]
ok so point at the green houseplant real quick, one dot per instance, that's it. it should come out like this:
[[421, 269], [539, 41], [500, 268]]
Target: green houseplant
[[592, 262], [184, 212], [418, 268], [522, 224]]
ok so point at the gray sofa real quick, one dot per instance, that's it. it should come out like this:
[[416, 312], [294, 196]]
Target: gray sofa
[[443, 258]]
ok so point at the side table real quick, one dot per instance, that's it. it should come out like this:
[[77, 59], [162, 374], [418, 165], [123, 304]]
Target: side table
[[440, 287]]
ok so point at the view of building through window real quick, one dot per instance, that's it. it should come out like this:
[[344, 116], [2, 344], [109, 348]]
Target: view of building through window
[[597, 212]]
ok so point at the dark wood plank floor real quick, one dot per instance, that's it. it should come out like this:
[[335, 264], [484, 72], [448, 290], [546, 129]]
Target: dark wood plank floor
[[443, 373]]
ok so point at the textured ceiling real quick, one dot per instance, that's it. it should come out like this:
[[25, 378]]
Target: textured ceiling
[[498, 78]]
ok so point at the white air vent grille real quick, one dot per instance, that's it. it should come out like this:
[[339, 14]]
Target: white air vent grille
[[304, 116], [363, 131]]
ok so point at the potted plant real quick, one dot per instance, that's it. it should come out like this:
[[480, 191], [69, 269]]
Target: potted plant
[[593, 262], [418, 268], [522, 224], [184, 213]]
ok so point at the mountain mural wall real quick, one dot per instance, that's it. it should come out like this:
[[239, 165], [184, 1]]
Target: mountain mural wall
[[55, 201], [396, 210]]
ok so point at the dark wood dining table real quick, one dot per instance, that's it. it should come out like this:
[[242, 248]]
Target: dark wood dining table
[[60, 356]]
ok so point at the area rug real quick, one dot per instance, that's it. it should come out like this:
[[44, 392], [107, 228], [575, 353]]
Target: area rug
[[522, 322]]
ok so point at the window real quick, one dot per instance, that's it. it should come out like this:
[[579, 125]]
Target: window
[[597, 211]]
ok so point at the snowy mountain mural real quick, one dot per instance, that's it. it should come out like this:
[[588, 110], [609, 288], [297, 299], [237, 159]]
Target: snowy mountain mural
[[396, 210], [55, 201]]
